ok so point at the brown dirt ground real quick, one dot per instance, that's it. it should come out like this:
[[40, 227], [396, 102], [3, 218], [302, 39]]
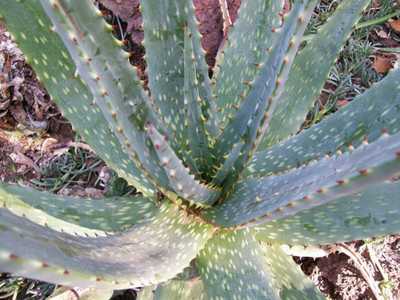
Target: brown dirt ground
[[26, 108]]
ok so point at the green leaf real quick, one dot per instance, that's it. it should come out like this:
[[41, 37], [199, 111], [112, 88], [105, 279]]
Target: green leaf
[[107, 214], [180, 178], [164, 24], [365, 117], [175, 290], [310, 70], [372, 212], [147, 254], [51, 61], [233, 265], [105, 68], [194, 94], [245, 48], [256, 201], [254, 112]]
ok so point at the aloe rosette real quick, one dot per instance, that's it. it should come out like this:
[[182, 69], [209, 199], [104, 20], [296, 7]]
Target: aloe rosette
[[238, 182]]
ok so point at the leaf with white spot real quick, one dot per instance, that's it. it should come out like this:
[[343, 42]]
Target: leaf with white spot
[[372, 212], [107, 214], [363, 118], [246, 47], [257, 107], [183, 183], [147, 254], [194, 92], [257, 201], [51, 61], [233, 265], [310, 70], [175, 289], [105, 69], [164, 25]]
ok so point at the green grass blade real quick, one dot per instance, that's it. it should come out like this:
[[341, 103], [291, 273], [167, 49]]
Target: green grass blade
[[147, 254], [373, 212], [310, 70], [108, 214], [365, 117], [51, 61], [256, 201]]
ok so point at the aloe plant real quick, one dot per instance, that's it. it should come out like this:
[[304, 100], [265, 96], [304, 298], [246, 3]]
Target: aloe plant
[[226, 181]]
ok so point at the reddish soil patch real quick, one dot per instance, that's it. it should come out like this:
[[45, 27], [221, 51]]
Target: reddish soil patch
[[337, 276]]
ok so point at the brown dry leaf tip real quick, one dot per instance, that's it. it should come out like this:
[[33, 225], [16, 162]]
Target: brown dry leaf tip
[[13, 257], [382, 63], [342, 102], [395, 25]]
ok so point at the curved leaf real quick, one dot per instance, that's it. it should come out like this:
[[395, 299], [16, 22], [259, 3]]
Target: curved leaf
[[310, 70], [51, 61], [147, 254], [365, 117], [109, 214], [256, 201], [233, 265], [373, 212]]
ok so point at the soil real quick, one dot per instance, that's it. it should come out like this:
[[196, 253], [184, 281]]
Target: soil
[[26, 109], [337, 276]]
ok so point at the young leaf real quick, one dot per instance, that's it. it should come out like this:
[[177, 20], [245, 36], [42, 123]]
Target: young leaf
[[310, 70]]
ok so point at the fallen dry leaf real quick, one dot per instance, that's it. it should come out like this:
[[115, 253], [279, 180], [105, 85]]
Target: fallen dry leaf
[[395, 25], [382, 64], [382, 34], [22, 159], [48, 144]]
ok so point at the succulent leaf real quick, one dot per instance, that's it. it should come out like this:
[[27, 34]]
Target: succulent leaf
[[33, 32], [233, 265], [372, 212], [256, 201], [183, 183], [164, 28], [377, 110], [207, 102], [87, 38], [189, 144], [310, 70], [245, 48], [53, 211], [147, 254], [194, 93], [258, 105], [175, 289]]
